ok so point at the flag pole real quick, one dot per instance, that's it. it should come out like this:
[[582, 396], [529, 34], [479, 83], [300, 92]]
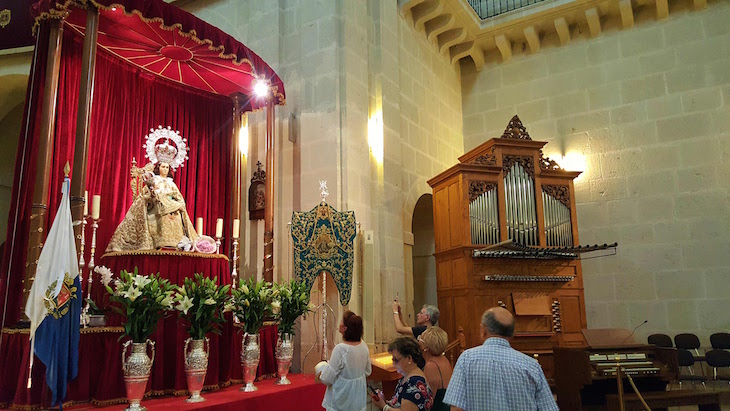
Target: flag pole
[[66, 171]]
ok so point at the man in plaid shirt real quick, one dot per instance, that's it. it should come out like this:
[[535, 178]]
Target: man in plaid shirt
[[496, 377]]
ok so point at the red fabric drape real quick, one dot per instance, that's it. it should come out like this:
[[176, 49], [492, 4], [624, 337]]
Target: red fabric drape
[[127, 103], [172, 16]]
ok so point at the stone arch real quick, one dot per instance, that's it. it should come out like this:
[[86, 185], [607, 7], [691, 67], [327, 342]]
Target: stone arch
[[12, 98], [424, 262]]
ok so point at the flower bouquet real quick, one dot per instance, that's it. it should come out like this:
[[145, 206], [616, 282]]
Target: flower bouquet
[[291, 300], [142, 300], [251, 304], [200, 302]]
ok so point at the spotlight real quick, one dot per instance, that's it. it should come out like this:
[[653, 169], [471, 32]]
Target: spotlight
[[261, 88]]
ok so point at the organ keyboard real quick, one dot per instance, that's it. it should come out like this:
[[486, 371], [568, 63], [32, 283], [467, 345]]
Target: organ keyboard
[[584, 376]]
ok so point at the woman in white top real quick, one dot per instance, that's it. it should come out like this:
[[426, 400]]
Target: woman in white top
[[347, 369]]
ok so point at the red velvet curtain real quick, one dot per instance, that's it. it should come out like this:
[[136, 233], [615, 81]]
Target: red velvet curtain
[[127, 103]]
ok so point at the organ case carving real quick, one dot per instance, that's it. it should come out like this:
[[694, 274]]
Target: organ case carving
[[505, 189]]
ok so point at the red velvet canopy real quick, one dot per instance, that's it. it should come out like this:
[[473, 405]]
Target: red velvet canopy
[[171, 43]]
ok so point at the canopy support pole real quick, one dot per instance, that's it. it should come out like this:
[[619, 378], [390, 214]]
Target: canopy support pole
[[236, 160], [83, 120], [269, 204], [39, 208]]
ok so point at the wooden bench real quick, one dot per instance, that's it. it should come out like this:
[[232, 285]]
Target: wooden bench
[[705, 400]]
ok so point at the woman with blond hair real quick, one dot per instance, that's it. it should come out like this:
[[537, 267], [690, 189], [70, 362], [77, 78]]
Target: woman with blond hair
[[438, 369]]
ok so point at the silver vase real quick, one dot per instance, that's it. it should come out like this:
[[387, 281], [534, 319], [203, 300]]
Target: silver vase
[[284, 354], [196, 364], [250, 360], [136, 370]]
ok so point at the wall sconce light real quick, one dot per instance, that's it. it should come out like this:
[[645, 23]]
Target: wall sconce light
[[375, 135]]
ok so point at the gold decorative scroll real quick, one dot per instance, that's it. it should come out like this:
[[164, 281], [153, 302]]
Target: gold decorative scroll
[[479, 187], [515, 130], [525, 161], [486, 159], [549, 165], [560, 193]]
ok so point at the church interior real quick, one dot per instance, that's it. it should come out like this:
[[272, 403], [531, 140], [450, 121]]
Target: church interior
[[568, 160]]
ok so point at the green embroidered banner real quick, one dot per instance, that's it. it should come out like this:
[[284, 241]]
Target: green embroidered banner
[[323, 241]]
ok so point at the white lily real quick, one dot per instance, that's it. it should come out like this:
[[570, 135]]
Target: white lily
[[209, 301], [244, 288], [132, 293], [275, 307], [185, 304], [141, 280]]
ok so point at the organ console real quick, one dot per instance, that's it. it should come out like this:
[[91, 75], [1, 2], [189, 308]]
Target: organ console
[[506, 234], [585, 376]]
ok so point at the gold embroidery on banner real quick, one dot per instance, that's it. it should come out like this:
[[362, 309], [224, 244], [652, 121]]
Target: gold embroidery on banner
[[58, 306]]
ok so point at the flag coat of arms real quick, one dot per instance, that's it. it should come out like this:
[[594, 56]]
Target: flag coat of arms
[[54, 303]]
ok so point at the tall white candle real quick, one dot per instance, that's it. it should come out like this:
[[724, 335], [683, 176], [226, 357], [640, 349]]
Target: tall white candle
[[199, 225], [219, 228], [96, 207], [236, 227], [86, 203]]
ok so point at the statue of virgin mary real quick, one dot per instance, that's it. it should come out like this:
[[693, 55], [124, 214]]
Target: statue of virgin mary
[[158, 217]]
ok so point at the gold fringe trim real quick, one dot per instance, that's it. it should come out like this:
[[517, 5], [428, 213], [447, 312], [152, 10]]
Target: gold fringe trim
[[165, 252], [89, 330]]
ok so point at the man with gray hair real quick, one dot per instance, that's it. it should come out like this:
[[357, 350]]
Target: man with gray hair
[[496, 377], [427, 317]]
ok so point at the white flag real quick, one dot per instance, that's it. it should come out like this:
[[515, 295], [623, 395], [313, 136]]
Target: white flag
[[56, 264]]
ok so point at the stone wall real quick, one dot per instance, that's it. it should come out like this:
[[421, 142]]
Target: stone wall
[[648, 112]]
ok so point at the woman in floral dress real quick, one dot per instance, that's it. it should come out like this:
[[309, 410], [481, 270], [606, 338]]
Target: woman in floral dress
[[412, 392]]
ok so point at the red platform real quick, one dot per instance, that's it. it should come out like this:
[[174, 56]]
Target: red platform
[[303, 394], [100, 379]]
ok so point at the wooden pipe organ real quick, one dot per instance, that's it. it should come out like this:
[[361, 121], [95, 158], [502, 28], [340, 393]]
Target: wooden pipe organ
[[505, 190]]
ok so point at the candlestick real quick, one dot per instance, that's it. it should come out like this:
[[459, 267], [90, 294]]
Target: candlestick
[[218, 245], [236, 228], [234, 273], [82, 262], [96, 207], [199, 226], [94, 226], [219, 228]]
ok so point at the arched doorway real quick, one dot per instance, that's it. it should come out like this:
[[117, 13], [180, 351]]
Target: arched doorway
[[424, 263]]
